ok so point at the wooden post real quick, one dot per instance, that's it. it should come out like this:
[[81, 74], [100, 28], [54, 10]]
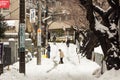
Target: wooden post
[[22, 37], [39, 34]]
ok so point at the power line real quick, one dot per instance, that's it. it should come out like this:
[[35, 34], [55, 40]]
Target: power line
[[11, 12], [13, 2], [15, 9]]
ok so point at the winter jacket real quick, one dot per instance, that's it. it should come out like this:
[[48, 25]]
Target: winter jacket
[[61, 54]]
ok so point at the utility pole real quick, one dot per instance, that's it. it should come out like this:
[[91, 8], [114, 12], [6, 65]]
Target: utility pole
[[39, 34], [119, 22], [46, 25], [22, 37]]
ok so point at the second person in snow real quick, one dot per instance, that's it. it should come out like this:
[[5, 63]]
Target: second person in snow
[[61, 56]]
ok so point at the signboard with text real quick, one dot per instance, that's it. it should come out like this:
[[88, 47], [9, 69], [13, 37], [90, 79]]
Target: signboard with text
[[39, 37], [22, 35], [32, 15], [4, 3]]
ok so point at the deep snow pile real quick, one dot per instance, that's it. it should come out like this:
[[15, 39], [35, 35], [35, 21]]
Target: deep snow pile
[[51, 70], [111, 75]]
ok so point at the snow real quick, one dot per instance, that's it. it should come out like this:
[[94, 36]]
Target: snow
[[113, 26], [104, 29], [11, 22], [100, 8], [11, 33], [111, 75], [100, 27], [11, 39], [28, 39], [15, 33], [51, 70], [6, 43], [98, 50]]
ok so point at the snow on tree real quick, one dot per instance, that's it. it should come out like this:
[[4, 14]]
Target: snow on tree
[[105, 29]]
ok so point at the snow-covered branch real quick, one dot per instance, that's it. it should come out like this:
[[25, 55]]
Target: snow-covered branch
[[113, 3], [99, 10], [105, 30]]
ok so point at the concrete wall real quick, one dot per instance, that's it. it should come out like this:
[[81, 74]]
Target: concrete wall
[[14, 54], [28, 44]]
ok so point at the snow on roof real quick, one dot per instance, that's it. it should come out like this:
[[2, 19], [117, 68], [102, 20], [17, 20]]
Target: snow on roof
[[11, 22], [14, 34], [6, 43], [11, 33], [11, 39], [58, 25], [28, 39]]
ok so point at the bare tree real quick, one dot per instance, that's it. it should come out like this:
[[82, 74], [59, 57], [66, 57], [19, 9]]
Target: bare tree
[[77, 13]]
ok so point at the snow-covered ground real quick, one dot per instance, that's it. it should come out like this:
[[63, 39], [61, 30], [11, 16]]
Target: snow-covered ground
[[51, 70], [111, 75]]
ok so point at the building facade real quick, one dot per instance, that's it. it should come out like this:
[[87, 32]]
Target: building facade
[[13, 12]]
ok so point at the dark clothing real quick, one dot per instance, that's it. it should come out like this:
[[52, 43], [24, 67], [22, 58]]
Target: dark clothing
[[68, 42], [54, 39], [48, 36], [61, 61], [76, 35], [48, 54], [48, 48], [48, 51]]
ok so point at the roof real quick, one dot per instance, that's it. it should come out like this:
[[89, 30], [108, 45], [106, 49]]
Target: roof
[[59, 25]]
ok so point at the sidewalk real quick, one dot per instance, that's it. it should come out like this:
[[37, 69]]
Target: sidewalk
[[51, 70]]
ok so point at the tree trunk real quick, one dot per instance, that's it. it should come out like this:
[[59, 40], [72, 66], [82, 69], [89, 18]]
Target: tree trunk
[[110, 45]]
